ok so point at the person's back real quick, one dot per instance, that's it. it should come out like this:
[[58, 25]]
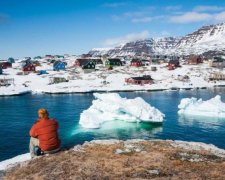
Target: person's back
[[44, 133]]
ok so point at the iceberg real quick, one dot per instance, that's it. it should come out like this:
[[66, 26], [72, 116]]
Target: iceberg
[[197, 107], [111, 106]]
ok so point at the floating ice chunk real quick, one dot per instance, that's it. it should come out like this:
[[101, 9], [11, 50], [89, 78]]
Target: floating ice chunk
[[109, 107], [211, 108]]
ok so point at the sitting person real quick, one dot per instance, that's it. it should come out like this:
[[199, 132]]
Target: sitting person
[[44, 136]]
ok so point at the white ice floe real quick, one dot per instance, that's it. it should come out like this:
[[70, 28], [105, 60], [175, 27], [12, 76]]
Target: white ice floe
[[109, 107], [14, 161], [210, 108]]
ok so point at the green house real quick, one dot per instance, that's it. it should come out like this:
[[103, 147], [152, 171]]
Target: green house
[[111, 62], [87, 63]]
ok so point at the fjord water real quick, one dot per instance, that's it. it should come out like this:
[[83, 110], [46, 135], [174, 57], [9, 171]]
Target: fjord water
[[18, 113]]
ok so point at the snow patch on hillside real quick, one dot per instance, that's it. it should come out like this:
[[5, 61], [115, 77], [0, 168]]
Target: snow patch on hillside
[[13, 161]]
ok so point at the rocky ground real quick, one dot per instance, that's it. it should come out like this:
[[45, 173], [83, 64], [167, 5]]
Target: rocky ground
[[134, 159]]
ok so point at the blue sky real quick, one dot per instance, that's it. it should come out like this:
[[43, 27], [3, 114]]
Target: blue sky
[[39, 27]]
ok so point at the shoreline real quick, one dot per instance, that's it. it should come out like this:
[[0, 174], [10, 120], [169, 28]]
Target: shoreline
[[113, 91], [186, 144]]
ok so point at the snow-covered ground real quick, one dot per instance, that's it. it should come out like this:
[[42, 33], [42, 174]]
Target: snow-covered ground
[[105, 80], [210, 108], [13, 161], [110, 107]]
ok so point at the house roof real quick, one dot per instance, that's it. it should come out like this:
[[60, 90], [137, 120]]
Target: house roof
[[27, 61], [27, 65], [37, 57], [218, 59], [114, 61], [83, 62], [57, 62], [147, 77], [194, 57], [8, 63], [174, 61], [145, 60], [135, 60]]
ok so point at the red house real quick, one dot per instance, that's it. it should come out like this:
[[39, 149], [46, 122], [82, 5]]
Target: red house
[[136, 63], [194, 60], [5, 65], [29, 68], [139, 80], [173, 64]]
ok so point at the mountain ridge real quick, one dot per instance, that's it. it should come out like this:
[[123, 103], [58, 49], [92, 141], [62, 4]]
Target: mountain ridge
[[207, 40]]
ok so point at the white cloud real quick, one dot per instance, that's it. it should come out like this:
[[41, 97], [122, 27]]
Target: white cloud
[[146, 19], [208, 8], [220, 17], [190, 17], [127, 38], [174, 14], [194, 17]]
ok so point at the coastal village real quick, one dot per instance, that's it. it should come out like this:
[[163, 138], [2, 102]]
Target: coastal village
[[111, 89], [82, 74]]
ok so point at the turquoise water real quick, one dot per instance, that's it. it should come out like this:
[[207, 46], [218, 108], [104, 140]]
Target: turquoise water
[[17, 114]]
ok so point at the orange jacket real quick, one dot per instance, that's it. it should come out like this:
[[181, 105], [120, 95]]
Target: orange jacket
[[46, 131]]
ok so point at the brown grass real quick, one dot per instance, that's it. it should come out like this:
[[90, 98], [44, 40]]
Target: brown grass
[[157, 160]]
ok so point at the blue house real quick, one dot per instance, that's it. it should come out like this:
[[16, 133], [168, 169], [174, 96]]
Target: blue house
[[11, 60], [41, 72], [59, 65], [1, 71]]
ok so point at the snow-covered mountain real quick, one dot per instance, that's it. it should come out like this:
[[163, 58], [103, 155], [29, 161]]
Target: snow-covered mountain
[[149, 46], [208, 40]]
